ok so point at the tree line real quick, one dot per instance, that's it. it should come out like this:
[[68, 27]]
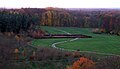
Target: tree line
[[107, 20]]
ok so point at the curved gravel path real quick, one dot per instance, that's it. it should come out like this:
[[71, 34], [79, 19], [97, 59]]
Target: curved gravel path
[[61, 42]]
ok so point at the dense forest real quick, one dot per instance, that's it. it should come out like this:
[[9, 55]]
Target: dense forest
[[15, 20]]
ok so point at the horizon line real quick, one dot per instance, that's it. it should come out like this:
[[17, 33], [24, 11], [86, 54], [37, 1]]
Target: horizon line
[[61, 7]]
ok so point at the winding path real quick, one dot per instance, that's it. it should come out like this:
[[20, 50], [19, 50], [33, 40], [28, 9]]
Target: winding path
[[61, 42]]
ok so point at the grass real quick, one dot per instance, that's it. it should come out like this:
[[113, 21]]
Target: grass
[[53, 30], [102, 43], [95, 45], [46, 42], [49, 42]]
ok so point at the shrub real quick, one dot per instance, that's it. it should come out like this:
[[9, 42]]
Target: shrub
[[109, 63], [82, 63]]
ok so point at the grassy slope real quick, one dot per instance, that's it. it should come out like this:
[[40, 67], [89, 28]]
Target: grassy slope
[[99, 43], [102, 43], [48, 42], [53, 30]]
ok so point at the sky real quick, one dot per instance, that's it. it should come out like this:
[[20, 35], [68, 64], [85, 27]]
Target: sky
[[60, 3]]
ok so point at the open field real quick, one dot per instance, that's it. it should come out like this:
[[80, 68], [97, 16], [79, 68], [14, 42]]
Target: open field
[[49, 42], [101, 43]]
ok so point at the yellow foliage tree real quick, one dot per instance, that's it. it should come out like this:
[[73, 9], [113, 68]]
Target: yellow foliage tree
[[55, 17]]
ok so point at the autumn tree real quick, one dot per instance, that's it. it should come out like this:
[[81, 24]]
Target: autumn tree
[[56, 17], [82, 63]]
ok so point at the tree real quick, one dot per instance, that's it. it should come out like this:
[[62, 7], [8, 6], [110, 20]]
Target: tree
[[82, 63], [15, 22], [57, 17]]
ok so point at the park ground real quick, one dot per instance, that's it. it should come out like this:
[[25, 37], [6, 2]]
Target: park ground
[[99, 43]]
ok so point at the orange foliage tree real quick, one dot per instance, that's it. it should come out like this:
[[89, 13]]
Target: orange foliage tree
[[82, 63]]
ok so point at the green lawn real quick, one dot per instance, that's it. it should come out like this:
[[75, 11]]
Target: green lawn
[[102, 43], [49, 42], [46, 42], [53, 30]]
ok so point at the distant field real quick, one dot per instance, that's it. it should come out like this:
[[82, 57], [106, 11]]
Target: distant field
[[53, 30], [102, 43]]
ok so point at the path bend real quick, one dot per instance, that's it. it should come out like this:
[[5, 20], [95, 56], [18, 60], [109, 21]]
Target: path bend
[[61, 42]]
